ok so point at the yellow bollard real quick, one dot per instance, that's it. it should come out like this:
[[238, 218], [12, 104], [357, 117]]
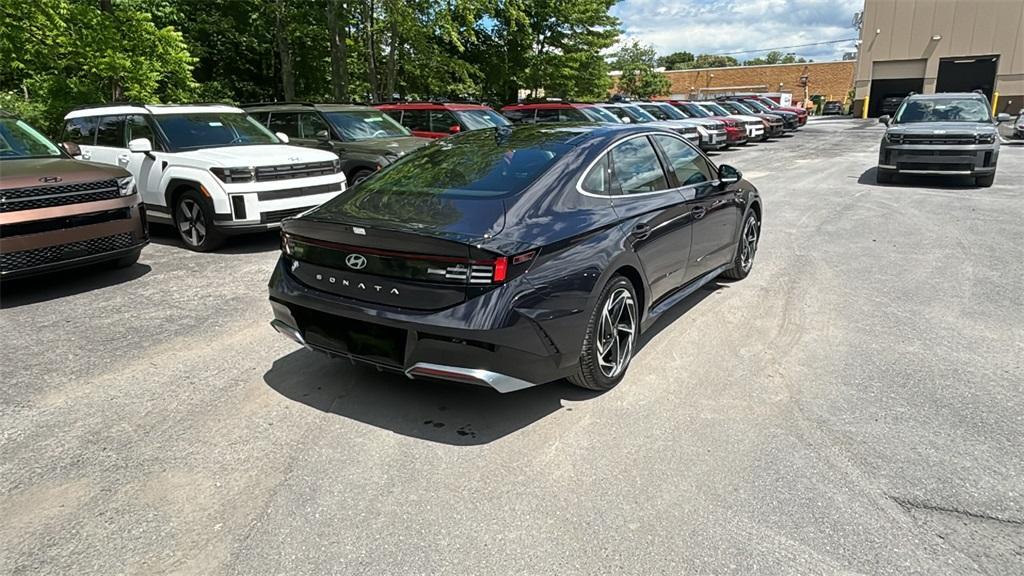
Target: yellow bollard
[[995, 100], [864, 111]]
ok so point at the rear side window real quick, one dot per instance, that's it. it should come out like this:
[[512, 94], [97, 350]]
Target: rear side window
[[286, 122], [572, 115], [418, 120], [637, 169], [596, 180], [689, 166], [110, 131], [80, 130], [137, 127]]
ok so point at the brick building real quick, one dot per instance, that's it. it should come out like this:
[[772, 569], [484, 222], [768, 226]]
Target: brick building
[[831, 80]]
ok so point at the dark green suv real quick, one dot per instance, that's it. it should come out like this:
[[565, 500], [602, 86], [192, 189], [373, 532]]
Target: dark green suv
[[365, 138]]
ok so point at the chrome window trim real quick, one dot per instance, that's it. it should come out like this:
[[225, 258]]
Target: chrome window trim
[[590, 166]]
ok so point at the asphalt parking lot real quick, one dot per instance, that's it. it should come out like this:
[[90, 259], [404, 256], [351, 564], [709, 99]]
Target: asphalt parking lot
[[854, 406]]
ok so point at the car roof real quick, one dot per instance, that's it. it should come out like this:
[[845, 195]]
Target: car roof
[[549, 105], [155, 109], [300, 106], [433, 105]]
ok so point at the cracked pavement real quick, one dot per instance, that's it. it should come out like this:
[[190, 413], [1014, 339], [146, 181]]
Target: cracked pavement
[[854, 406]]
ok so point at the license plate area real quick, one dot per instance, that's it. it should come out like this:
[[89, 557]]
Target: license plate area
[[375, 343]]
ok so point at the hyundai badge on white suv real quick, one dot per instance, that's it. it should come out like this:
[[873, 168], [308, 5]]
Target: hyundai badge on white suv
[[208, 169]]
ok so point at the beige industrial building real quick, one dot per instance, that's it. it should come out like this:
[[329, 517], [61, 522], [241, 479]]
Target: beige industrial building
[[929, 46]]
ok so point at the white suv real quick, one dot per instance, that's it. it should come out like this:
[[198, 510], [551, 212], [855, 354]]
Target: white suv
[[208, 169]]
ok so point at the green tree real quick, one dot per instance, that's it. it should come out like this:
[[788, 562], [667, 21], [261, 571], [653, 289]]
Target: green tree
[[775, 57], [714, 61], [638, 79], [56, 54], [676, 61]]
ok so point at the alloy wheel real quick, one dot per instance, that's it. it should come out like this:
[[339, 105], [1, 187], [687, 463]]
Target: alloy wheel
[[191, 223], [616, 333], [749, 243]]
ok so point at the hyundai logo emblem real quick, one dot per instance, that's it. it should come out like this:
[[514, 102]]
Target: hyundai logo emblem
[[51, 179], [355, 261]]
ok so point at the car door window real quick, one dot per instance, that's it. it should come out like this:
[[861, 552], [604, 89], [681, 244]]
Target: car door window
[[310, 123], [689, 166], [110, 132], [547, 115], [596, 180], [442, 121], [418, 120], [519, 116], [286, 122], [137, 127], [636, 167], [571, 115], [80, 130]]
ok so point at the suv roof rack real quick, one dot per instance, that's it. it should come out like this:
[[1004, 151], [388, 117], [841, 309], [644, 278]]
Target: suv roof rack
[[109, 105], [278, 103]]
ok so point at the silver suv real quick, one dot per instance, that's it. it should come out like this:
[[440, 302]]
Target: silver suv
[[950, 133]]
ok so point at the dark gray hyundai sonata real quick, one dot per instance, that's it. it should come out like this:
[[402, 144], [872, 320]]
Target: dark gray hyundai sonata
[[514, 256]]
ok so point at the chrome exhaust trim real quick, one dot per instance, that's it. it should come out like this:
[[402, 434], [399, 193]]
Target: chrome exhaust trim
[[500, 382], [289, 332]]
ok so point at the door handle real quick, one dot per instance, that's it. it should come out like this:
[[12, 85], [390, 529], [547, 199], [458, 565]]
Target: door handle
[[641, 231], [123, 158], [86, 154], [699, 212]]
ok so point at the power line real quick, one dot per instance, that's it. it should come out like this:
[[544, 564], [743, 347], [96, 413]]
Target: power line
[[786, 47]]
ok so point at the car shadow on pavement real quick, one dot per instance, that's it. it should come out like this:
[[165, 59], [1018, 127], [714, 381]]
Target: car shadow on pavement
[[165, 235], [447, 413], [951, 181], [35, 289], [672, 314]]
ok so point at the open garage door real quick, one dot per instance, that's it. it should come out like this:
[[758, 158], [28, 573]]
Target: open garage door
[[891, 81], [967, 74]]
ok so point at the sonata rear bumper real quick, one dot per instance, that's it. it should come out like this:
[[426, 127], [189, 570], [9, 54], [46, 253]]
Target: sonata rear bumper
[[509, 352]]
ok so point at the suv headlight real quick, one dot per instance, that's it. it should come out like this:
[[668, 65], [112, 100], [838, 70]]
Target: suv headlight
[[985, 138], [126, 186], [235, 175], [336, 163]]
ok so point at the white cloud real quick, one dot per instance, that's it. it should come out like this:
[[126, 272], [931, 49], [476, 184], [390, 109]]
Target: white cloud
[[718, 26]]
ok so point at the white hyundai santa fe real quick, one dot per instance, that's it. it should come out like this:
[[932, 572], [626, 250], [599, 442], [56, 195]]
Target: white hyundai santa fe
[[208, 169]]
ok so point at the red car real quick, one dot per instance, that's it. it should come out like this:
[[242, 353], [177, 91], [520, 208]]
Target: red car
[[440, 119], [799, 111], [556, 111], [736, 132]]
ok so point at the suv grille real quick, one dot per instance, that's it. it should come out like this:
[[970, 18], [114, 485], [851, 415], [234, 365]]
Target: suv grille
[[289, 171], [46, 196], [51, 254], [932, 139]]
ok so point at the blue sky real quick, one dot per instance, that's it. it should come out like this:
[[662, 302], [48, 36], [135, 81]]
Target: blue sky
[[718, 26]]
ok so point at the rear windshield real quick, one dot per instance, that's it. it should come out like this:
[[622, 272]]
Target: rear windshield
[[212, 130], [943, 110], [482, 163], [19, 140], [480, 118]]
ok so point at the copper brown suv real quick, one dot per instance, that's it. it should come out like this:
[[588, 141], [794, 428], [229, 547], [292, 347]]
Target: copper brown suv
[[57, 212]]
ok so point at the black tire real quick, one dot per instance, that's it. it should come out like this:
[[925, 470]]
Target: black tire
[[884, 176], [592, 372], [746, 248], [126, 261], [985, 181], [193, 219], [360, 175]]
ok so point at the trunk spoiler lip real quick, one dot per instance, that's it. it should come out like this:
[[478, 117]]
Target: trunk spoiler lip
[[387, 253]]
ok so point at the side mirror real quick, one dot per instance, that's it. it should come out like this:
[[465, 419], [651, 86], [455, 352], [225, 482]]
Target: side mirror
[[1004, 117], [71, 148], [626, 120], [282, 137], [140, 146], [323, 136], [884, 119], [729, 175], [454, 129]]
